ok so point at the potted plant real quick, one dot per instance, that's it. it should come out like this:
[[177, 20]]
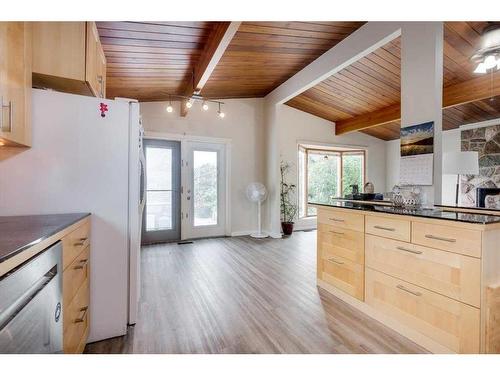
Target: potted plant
[[288, 207]]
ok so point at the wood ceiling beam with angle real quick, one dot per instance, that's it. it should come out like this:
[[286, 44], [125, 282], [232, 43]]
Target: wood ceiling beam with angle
[[217, 43], [472, 90]]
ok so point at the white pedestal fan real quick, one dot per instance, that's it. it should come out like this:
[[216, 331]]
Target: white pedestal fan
[[257, 193]]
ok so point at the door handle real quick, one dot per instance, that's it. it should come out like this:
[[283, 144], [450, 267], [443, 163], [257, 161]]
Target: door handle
[[11, 114], [81, 319], [384, 228], [81, 264], [433, 237], [101, 83], [408, 250]]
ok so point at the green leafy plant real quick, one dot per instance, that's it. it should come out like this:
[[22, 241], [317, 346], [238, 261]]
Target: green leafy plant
[[288, 207]]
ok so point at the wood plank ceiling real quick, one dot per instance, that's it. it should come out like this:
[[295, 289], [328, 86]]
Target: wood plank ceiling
[[262, 55], [373, 84], [149, 60]]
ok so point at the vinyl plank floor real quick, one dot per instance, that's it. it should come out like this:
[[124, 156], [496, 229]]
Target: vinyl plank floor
[[243, 295]]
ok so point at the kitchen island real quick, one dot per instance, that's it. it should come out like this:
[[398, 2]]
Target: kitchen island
[[430, 274]]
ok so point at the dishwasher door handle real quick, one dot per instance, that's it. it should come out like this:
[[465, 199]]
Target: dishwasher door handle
[[10, 312]]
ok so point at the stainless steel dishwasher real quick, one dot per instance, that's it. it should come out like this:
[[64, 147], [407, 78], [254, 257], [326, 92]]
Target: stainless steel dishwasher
[[30, 305]]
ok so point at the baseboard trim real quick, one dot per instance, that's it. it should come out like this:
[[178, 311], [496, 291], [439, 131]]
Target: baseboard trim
[[391, 323], [240, 233]]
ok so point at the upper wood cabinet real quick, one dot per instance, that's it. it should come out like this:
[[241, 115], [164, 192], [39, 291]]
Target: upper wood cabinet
[[15, 83], [68, 56]]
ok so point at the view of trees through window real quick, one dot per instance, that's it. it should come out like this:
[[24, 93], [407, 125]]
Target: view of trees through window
[[327, 173]]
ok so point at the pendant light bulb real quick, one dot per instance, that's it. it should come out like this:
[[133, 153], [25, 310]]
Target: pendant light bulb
[[170, 109], [220, 113], [205, 106], [481, 69], [189, 104]]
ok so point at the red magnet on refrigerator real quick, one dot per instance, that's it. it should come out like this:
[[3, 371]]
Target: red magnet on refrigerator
[[103, 109]]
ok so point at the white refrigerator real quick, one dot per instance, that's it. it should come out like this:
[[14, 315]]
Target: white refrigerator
[[83, 162]]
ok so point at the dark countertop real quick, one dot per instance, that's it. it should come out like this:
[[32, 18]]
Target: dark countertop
[[431, 213], [18, 233], [467, 207]]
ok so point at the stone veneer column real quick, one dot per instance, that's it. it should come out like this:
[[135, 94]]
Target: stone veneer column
[[422, 87]]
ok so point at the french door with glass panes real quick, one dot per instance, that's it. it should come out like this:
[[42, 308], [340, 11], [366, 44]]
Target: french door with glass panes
[[162, 213], [204, 190]]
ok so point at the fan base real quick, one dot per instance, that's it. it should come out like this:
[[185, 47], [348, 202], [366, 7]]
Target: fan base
[[259, 235]]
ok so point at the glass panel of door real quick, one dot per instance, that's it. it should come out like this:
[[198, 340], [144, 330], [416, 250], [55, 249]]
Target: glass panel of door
[[161, 219]]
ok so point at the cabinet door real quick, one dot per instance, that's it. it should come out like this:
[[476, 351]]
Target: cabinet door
[[453, 324], [15, 83], [92, 58], [59, 50], [101, 71]]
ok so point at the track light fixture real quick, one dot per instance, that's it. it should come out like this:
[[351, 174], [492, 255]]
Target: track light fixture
[[190, 100]]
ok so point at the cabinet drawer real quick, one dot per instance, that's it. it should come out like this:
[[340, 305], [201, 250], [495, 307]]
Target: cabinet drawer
[[453, 324], [75, 275], [343, 274], [341, 219], [457, 240], [75, 242], [76, 321], [348, 244], [388, 227], [453, 275]]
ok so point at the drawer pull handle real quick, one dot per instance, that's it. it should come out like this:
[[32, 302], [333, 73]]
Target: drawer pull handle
[[408, 250], [335, 232], [335, 219], [81, 319], [82, 264], [384, 228], [335, 261], [432, 237], [418, 294], [81, 241]]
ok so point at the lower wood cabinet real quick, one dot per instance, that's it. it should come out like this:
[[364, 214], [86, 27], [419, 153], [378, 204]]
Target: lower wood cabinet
[[76, 288], [453, 324], [435, 281], [344, 274], [341, 249], [453, 275], [345, 243]]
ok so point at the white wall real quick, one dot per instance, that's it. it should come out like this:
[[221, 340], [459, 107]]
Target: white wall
[[297, 126], [243, 125]]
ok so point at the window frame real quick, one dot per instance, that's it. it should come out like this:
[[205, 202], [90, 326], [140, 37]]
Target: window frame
[[340, 151]]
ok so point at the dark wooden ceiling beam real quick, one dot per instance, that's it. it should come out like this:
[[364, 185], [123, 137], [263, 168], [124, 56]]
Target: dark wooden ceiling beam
[[217, 43], [479, 88]]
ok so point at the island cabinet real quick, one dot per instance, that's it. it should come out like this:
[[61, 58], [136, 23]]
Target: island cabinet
[[15, 83], [435, 281], [68, 57]]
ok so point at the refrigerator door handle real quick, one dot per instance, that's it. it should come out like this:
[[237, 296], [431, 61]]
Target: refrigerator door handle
[[142, 198]]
